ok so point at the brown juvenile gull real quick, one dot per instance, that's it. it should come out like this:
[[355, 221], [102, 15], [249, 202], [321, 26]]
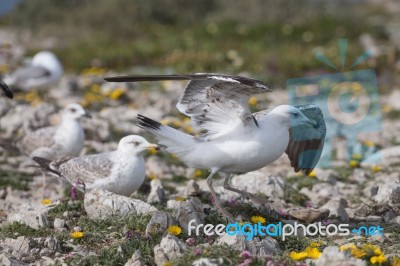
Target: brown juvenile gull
[[54, 142], [7, 91], [121, 171], [235, 140]]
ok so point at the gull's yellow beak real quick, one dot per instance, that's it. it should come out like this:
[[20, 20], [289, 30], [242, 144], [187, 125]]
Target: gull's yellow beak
[[153, 147]]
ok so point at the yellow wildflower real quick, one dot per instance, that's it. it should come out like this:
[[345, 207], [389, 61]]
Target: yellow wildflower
[[353, 163], [298, 255], [356, 156], [76, 235], [312, 173], [186, 119], [46, 201], [378, 259], [396, 261], [180, 199], [258, 219], [95, 88], [369, 143], [252, 101], [370, 248], [117, 93], [198, 173], [376, 168], [347, 246], [358, 253], [166, 263], [314, 244], [174, 230], [313, 253]]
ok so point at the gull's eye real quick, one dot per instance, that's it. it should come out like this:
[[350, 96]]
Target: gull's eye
[[73, 110], [136, 143], [295, 114]]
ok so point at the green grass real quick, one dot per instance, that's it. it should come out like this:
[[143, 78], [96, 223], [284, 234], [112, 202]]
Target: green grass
[[15, 180]]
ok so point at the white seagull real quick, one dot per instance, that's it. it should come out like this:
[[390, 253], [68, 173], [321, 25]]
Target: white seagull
[[121, 171], [7, 91], [235, 140], [54, 142], [44, 70]]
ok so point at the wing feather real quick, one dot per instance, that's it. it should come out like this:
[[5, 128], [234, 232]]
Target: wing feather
[[86, 169], [216, 103]]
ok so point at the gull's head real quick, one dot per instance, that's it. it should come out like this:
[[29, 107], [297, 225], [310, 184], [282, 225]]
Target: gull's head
[[291, 116], [75, 111], [135, 144]]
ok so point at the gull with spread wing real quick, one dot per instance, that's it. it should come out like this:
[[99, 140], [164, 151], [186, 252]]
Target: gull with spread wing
[[236, 140], [121, 171]]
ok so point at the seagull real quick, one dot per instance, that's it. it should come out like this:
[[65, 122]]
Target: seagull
[[121, 171], [54, 142], [235, 140], [44, 70], [7, 91]]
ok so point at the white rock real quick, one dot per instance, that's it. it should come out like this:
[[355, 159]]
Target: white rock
[[188, 210], [58, 223], [173, 204], [331, 256], [7, 261], [238, 242], [172, 246], [100, 203], [157, 193], [31, 214], [19, 247], [388, 193], [160, 258], [192, 188], [208, 262], [259, 182], [268, 246], [135, 260], [336, 208], [159, 222]]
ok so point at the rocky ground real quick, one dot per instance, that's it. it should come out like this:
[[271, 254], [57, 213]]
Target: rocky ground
[[44, 225]]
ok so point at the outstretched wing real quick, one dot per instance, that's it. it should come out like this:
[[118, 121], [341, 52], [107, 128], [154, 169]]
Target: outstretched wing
[[216, 103], [86, 169], [7, 91], [306, 141]]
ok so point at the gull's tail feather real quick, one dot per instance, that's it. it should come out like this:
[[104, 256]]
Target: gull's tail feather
[[45, 165], [176, 141]]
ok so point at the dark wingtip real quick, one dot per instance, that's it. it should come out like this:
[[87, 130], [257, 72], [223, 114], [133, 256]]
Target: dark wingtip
[[7, 91], [147, 123]]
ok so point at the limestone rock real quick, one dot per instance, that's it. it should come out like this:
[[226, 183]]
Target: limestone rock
[[100, 203], [159, 223], [32, 214], [157, 193]]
